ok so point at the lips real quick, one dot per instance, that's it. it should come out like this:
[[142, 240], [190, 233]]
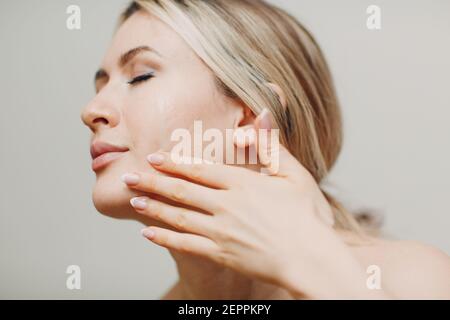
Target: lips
[[103, 153]]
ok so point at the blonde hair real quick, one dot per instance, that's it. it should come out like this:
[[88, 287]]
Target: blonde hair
[[249, 43]]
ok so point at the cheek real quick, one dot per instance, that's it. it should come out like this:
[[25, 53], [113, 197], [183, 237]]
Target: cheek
[[152, 118], [144, 122], [148, 122]]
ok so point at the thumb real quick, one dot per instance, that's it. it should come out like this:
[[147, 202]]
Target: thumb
[[274, 157]]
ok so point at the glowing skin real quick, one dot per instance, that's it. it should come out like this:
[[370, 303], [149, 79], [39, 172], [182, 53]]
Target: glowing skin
[[142, 116]]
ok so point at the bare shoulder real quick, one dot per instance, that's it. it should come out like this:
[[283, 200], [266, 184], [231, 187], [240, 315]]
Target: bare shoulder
[[408, 269]]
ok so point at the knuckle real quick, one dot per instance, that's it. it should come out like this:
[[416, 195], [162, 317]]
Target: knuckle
[[183, 247], [151, 182], [212, 232], [163, 239], [195, 172], [155, 209], [224, 199], [219, 208], [181, 220], [225, 236], [222, 257], [179, 192]]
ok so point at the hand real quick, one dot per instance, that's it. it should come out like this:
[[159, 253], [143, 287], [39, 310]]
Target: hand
[[276, 228]]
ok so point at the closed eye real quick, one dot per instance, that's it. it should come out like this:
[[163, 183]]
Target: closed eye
[[141, 78]]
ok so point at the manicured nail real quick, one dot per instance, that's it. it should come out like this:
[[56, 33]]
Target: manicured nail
[[139, 202], [156, 159], [148, 233], [265, 119], [130, 178]]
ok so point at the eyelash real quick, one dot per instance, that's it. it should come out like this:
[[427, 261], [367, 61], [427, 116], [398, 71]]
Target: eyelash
[[141, 78]]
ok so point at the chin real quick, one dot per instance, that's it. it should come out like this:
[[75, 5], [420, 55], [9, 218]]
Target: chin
[[112, 198], [112, 205]]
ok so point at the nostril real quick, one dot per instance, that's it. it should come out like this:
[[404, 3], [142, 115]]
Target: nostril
[[101, 120]]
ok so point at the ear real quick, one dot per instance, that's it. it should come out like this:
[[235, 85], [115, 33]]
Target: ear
[[244, 128], [245, 134], [279, 92]]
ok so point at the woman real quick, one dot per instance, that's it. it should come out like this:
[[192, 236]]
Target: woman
[[236, 233]]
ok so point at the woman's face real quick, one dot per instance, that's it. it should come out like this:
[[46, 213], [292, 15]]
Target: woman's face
[[138, 113]]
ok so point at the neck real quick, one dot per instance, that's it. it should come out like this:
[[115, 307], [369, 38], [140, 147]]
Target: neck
[[202, 279]]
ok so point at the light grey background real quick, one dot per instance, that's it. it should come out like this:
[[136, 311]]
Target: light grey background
[[394, 88]]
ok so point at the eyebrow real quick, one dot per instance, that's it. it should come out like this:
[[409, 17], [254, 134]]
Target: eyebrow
[[130, 54], [125, 58]]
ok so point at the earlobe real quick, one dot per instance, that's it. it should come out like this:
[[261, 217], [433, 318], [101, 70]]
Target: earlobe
[[280, 93]]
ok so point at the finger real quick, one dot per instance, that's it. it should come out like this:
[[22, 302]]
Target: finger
[[215, 175], [180, 218], [175, 189], [244, 137], [277, 160], [182, 242]]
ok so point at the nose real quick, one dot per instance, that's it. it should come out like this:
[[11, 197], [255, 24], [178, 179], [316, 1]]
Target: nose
[[100, 113]]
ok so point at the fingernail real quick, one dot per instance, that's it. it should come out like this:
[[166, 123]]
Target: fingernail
[[265, 119], [148, 233], [139, 202], [156, 159], [130, 178]]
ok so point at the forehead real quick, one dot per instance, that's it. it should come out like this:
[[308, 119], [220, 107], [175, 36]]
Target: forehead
[[141, 29]]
